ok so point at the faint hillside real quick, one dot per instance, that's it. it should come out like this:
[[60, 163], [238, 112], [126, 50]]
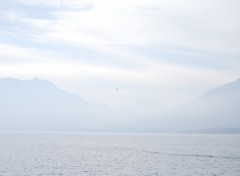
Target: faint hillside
[[222, 131], [40, 105], [217, 108]]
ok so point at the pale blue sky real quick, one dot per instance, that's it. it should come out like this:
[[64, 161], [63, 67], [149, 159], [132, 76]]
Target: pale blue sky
[[158, 50]]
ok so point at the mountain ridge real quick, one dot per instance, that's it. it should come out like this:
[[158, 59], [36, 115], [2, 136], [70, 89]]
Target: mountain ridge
[[39, 104], [218, 108]]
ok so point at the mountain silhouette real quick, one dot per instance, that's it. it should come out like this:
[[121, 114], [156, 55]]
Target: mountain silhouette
[[39, 105], [218, 108]]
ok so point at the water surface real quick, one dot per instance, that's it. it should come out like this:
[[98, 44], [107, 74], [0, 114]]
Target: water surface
[[92, 154]]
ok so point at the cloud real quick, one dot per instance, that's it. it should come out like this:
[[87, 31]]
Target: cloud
[[147, 72], [93, 40], [209, 26], [175, 24]]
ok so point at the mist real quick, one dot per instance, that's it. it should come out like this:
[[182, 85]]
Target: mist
[[39, 105], [119, 87]]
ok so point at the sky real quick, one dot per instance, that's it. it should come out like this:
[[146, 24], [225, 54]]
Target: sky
[[123, 52]]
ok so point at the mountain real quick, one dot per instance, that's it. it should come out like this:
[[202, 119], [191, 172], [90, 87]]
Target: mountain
[[40, 105], [218, 108]]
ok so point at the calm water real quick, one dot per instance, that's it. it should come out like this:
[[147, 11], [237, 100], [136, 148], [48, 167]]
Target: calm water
[[89, 154]]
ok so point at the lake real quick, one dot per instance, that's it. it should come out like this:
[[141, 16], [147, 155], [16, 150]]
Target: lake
[[118, 154]]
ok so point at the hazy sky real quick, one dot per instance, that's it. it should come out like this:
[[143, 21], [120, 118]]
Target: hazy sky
[[158, 50]]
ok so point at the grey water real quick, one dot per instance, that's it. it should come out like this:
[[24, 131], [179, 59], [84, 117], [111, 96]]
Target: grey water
[[118, 154]]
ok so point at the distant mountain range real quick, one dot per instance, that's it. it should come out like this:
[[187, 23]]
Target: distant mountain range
[[217, 109], [39, 105], [222, 131]]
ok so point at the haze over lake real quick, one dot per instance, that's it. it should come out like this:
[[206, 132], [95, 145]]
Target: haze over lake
[[143, 66], [40, 105], [119, 87]]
